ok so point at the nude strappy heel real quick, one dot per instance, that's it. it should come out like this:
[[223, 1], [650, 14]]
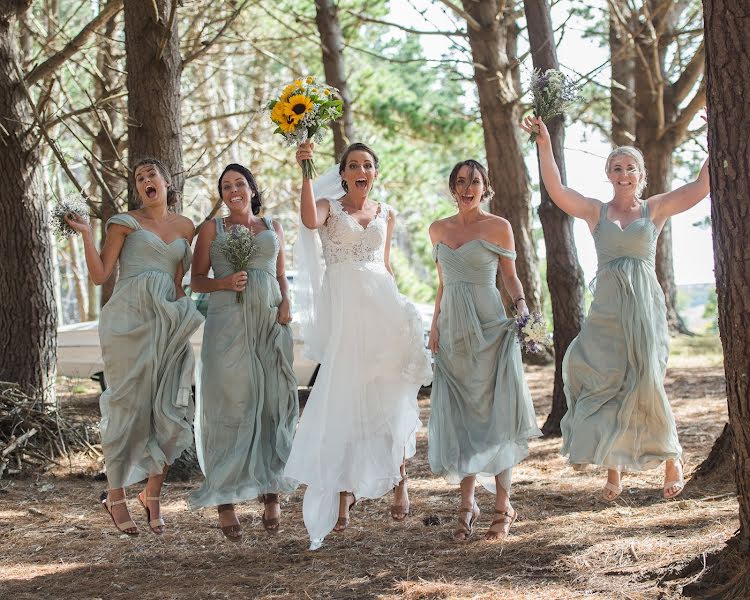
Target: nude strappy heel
[[152, 523], [125, 525]]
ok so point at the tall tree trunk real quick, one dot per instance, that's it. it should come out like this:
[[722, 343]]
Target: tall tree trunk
[[153, 68], [622, 86], [107, 142], [498, 105], [728, 88], [28, 314], [564, 274], [332, 45]]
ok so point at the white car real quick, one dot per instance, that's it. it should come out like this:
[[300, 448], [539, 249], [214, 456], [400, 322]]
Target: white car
[[79, 353]]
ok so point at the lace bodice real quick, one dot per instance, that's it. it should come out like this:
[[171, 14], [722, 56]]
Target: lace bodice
[[344, 240]]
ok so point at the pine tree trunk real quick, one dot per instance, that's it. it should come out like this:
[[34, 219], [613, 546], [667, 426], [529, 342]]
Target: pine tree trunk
[[622, 87], [332, 46], [28, 314], [728, 71], [564, 274], [500, 112], [153, 68]]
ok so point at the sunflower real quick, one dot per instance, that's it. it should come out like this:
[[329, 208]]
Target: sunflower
[[288, 91], [288, 124], [297, 107], [278, 113]]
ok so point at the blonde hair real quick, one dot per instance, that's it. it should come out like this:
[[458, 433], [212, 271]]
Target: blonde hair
[[637, 156]]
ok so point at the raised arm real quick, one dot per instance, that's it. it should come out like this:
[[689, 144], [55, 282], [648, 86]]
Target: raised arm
[[503, 237], [313, 213], [663, 206], [567, 199], [100, 265]]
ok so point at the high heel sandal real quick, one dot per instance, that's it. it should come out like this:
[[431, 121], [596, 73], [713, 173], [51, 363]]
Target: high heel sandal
[[232, 532], [399, 512], [343, 522], [466, 528], [610, 491], [505, 517], [152, 523], [125, 525], [679, 483], [270, 525]]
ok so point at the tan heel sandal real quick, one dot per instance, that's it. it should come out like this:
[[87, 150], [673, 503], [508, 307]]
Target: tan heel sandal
[[679, 483], [399, 512], [232, 532], [343, 522], [504, 517], [152, 523], [125, 525], [270, 525], [466, 528]]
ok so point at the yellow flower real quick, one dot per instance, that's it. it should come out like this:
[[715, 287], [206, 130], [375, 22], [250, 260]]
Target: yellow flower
[[298, 83], [327, 92], [288, 124], [297, 107], [309, 80], [314, 90], [288, 91], [278, 113]]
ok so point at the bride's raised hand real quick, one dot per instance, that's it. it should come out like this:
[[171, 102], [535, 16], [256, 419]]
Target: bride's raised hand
[[304, 152], [536, 126]]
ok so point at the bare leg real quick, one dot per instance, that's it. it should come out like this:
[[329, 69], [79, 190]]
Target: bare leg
[[505, 514], [468, 511], [346, 501], [400, 506], [150, 498]]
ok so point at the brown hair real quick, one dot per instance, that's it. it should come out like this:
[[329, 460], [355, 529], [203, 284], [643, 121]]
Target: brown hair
[[356, 147], [173, 195], [476, 167], [257, 200]]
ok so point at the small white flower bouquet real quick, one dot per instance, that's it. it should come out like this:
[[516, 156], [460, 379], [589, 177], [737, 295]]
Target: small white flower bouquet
[[552, 94], [72, 205], [238, 247], [532, 333]]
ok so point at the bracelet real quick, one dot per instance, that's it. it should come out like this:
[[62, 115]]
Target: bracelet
[[517, 300]]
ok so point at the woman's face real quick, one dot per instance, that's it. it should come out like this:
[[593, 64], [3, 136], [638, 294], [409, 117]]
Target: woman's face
[[624, 174], [359, 173], [470, 188], [150, 185], [236, 192]]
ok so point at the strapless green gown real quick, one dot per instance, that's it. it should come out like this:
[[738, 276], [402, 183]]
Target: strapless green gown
[[247, 404], [481, 414], [618, 414], [147, 408]]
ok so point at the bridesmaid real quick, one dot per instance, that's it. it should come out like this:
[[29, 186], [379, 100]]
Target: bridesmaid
[[145, 330], [247, 393], [618, 414], [481, 412]]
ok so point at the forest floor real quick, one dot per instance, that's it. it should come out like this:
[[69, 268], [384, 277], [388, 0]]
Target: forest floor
[[57, 542]]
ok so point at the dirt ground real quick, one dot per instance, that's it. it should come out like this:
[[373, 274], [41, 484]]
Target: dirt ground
[[57, 542]]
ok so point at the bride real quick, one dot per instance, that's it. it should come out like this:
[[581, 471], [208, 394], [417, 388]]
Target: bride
[[360, 421]]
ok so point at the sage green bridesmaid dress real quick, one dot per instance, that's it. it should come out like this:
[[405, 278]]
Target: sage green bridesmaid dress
[[147, 408], [247, 405], [481, 414], [618, 414]]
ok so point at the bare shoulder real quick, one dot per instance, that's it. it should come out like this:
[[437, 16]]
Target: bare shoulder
[[323, 203], [392, 214], [185, 226], [277, 227], [437, 229], [499, 230]]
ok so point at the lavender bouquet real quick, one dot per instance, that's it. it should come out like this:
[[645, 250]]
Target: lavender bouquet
[[552, 94], [68, 206], [238, 247], [532, 333]]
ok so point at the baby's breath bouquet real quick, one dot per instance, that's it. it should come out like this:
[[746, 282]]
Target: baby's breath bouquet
[[532, 333], [552, 94], [70, 206], [238, 247], [302, 112]]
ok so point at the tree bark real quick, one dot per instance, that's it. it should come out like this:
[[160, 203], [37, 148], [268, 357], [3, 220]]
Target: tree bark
[[28, 314], [564, 275], [728, 70], [153, 68], [622, 86], [332, 46], [498, 105]]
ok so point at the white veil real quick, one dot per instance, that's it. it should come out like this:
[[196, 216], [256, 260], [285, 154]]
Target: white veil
[[308, 260]]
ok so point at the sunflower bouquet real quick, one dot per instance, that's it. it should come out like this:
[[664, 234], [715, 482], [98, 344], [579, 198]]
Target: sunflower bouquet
[[302, 112], [69, 206], [552, 94]]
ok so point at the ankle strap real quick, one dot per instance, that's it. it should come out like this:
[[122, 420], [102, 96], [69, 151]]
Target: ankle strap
[[115, 502]]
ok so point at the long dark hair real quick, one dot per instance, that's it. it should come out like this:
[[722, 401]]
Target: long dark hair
[[173, 196], [476, 167], [257, 201]]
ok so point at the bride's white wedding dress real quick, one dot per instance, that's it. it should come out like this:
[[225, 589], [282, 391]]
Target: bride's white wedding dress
[[361, 417]]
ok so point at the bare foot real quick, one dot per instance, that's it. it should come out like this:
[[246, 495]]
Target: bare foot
[[400, 506]]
